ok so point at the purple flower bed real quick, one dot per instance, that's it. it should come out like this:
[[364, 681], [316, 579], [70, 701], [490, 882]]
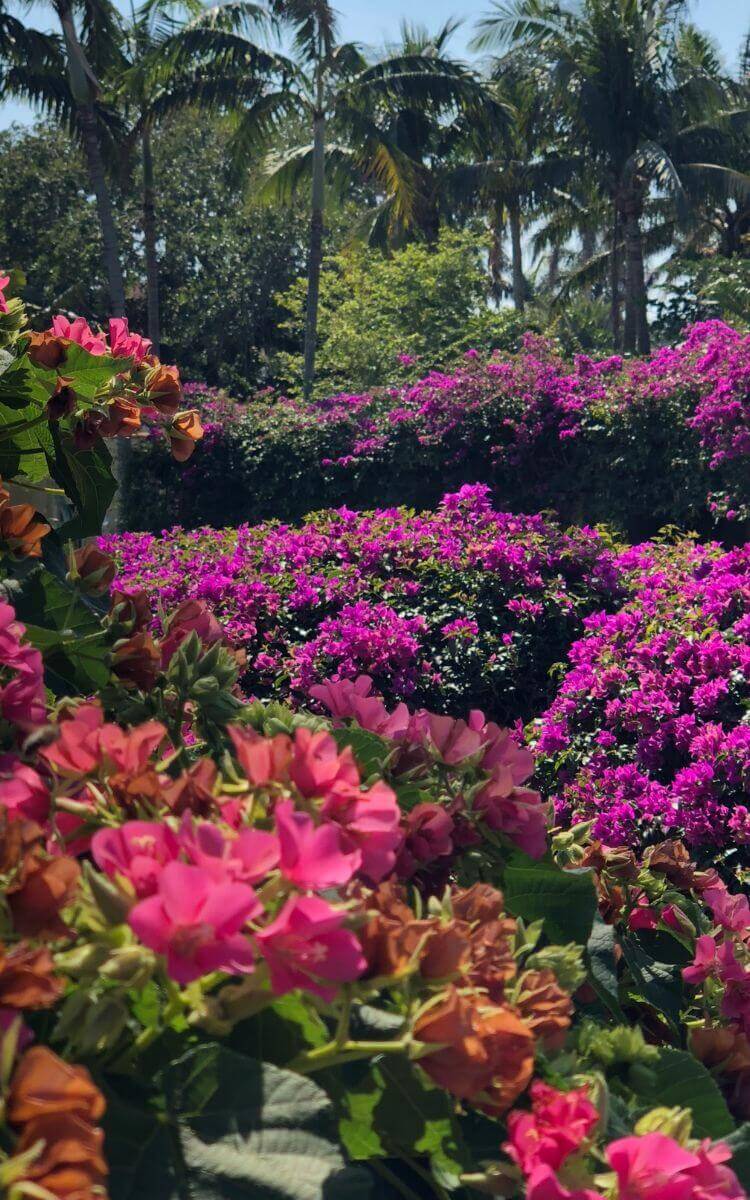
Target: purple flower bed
[[437, 607], [649, 735], [636, 443]]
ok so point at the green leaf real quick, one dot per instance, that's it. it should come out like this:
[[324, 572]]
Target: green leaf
[[659, 983], [232, 1128], [369, 750], [600, 953], [680, 1081], [87, 479], [249, 1129], [281, 1031], [88, 373], [392, 1110], [739, 1140], [564, 900], [66, 629]]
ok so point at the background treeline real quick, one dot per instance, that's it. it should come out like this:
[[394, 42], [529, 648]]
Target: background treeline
[[198, 163]]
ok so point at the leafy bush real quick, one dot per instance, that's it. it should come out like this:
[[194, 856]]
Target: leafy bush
[[635, 444], [462, 601], [648, 734], [381, 316]]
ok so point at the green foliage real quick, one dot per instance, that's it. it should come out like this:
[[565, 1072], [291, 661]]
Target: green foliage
[[564, 900], [426, 302], [227, 1126]]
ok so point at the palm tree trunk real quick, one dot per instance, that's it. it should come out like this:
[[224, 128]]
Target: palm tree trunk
[[519, 282], [553, 269], [614, 277], [496, 261], [149, 238], [315, 259], [636, 319], [83, 85]]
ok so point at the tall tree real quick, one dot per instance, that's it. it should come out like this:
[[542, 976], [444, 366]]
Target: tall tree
[[633, 101], [179, 54]]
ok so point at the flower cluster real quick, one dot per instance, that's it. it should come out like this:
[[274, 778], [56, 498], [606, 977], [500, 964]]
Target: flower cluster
[[380, 594], [138, 383], [635, 443], [647, 734]]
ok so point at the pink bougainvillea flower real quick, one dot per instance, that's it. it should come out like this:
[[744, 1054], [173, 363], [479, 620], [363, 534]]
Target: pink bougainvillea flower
[[23, 793], [307, 947], [453, 740], [370, 822], [124, 344], [138, 851], [428, 836], [76, 751], [712, 959], [655, 1167], [543, 1184], [351, 698], [78, 331], [730, 911], [192, 616], [246, 857], [519, 813], [313, 856], [196, 923], [262, 759], [129, 750], [317, 764], [557, 1126], [4, 281]]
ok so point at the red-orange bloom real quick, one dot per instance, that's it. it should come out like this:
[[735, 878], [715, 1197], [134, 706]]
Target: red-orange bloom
[[21, 530], [95, 569], [46, 349], [71, 1164], [136, 661], [163, 389], [43, 1086], [545, 1007], [486, 1052], [45, 887], [184, 432], [27, 978], [122, 420]]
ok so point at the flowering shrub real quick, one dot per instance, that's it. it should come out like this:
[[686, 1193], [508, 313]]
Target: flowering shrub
[[386, 594], [648, 735], [635, 443], [262, 933]]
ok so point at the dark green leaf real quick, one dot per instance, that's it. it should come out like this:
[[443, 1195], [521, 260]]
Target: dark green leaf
[[681, 1081], [602, 966], [659, 983], [87, 479], [564, 900]]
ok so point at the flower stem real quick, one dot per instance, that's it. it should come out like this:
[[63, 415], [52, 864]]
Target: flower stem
[[332, 1054]]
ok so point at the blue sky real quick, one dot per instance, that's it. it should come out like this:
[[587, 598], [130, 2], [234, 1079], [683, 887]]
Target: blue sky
[[373, 23]]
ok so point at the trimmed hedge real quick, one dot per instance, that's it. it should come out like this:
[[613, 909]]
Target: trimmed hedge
[[634, 444]]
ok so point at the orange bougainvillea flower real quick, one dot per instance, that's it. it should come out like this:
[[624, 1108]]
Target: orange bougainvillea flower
[[130, 608], [21, 530], [163, 389], [46, 886], [486, 1053], [44, 1086], [71, 1163], [95, 569], [122, 420], [184, 432], [545, 1007], [193, 790], [136, 661], [27, 978], [46, 349]]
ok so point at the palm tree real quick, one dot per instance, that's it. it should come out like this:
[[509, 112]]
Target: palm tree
[[385, 122], [640, 107], [207, 61], [102, 31]]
